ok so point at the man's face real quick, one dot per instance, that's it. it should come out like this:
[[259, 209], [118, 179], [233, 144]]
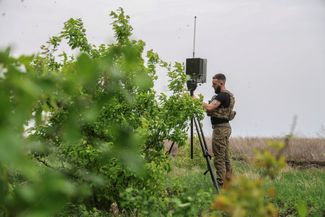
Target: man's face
[[216, 84]]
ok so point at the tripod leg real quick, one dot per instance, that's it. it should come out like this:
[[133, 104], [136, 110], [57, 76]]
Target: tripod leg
[[205, 153], [171, 147], [192, 149], [203, 138], [192, 118]]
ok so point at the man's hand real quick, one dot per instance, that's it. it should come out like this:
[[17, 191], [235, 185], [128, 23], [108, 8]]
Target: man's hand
[[197, 97], [204, 104]]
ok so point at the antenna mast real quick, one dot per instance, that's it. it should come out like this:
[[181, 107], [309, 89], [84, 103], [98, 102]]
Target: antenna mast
[[194, 37]]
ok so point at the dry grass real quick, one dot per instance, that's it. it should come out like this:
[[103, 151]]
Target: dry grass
[[298, 150]]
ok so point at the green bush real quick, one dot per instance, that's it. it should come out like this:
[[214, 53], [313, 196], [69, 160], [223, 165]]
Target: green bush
[[99, 126]]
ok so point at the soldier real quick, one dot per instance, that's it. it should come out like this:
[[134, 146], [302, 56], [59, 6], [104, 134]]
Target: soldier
[[220, 109]]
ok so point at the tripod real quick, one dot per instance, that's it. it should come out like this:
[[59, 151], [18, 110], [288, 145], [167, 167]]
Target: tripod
[[195, 122], [191, 86]]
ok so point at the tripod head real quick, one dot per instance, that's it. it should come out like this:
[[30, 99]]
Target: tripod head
[[191, 85]]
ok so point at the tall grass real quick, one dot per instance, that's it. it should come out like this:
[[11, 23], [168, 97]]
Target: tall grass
[[293, 186], [298, 149]]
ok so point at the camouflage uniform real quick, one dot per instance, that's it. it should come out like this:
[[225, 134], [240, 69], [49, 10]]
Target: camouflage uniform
[[220, 139]]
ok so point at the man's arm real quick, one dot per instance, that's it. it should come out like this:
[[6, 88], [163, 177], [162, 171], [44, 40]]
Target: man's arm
[[212, 106], [209, 107]]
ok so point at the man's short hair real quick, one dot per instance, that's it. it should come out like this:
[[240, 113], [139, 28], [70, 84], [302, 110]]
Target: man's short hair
[[220, 76]]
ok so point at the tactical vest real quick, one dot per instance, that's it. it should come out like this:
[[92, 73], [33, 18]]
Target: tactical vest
[[224, 113]]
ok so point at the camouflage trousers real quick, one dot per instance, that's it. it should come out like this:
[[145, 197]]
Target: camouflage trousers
[[220, 147]]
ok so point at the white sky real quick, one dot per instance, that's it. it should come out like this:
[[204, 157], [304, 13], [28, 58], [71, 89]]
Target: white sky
[[272, 51]]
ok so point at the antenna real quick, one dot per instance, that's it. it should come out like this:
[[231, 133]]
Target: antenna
[[194, 37], [195, 67]]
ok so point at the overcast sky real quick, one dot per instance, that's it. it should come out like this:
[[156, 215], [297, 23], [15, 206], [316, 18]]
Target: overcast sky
[[272, 51]]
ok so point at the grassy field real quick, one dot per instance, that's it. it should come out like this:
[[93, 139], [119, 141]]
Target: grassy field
[[293, 186]]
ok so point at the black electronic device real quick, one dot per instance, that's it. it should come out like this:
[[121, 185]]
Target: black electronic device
[[196, 68]]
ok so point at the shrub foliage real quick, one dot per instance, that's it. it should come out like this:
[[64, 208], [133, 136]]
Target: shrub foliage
[[82, 134]]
